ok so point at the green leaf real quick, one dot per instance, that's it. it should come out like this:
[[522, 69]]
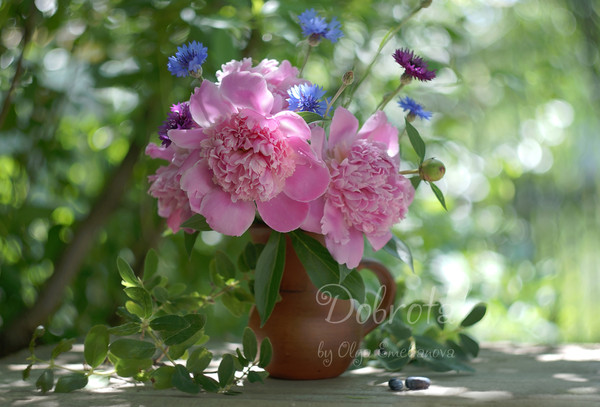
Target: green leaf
[[394, 357], [438, 194], [400, 250], [208, 383], [196, 323], [27, 372], [162, 378], [196, 222], [135, 308], [160, 294], [46, 381], [248, 257], [226, 370], [169, 323], [127, 274], [475, 315], [37, 333], [125, 329], [132, 349], [182, 380], [233, 304], [225, 266], [254, 376], [132, 367], [324, 271], [63, 346], [189, 241], [241, 359], [125, 314], [249, 344], [142, 298], [415, 140], [437, 312], [266, 353], [469, 344], [415, 181], [150, 264], [69, 383], [269, 270], [399, 330], [310, 117], [95, 345], [199, 360]]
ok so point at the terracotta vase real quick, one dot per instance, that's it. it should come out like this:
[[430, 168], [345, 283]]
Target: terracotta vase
[[313, 335]]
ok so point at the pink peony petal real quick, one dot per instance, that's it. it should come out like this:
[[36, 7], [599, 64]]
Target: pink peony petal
[[225, 216], [317, 140], [377, 128], [350, 252], [378, 241], [282, 213], [247, 90], [207, 104], [312, 223], [343, 129], [197, 182], [292, 125], [334, 224], [164, 153], [311, 176], [189, 138]]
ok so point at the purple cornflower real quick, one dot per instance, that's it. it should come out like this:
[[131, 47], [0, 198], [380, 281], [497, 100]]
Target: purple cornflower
[[188, 60], [414, 109], [306, 98], [179, 118], [414, 66], [315, 27]]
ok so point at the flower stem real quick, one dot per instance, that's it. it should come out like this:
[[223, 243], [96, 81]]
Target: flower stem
[[388, 36], [305, 60], [407, 172], [337, 95], [389, 97]]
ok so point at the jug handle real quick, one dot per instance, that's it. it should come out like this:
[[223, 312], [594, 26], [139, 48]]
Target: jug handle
[[388, 285]]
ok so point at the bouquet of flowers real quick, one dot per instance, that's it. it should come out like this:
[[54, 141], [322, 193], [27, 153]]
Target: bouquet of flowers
[[263, 145], [259, 145]]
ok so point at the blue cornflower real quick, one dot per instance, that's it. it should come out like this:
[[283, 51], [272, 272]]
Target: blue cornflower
[[188, 60], [315, 26], [179, 118], [414, 109], [306, 98]]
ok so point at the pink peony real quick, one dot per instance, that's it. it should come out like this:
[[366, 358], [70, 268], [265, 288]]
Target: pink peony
[[246, 158], [279, 77], [367, 195], [173, 203]]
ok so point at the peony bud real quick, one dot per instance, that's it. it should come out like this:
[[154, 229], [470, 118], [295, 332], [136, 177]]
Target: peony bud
[[432, 170], [348, 78]]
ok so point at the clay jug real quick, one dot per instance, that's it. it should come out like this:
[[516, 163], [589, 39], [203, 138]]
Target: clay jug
[[313, 335]]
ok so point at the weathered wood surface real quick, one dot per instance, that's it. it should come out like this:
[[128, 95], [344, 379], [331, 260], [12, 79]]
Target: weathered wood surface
[[507, 375]]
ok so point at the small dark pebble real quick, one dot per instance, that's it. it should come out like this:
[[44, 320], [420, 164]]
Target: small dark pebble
[[417, 383], [395, 384]]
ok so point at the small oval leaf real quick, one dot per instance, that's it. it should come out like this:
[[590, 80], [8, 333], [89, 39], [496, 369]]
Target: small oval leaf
[[95, 345], [475, 315], [226, 370], [266, 352], [249, 344], [67, 384], [132, 349]]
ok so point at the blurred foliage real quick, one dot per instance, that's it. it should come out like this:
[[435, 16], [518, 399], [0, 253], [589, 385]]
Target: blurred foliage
[[516, 119]]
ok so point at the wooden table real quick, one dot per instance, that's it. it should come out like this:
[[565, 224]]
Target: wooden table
[[507, 375]]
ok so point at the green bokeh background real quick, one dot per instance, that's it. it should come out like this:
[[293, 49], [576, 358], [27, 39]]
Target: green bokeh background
[[516, 121]]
